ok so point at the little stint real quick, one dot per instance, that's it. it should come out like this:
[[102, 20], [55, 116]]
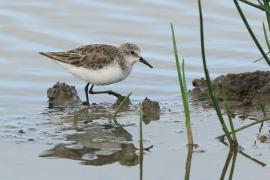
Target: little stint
[[99, 64]]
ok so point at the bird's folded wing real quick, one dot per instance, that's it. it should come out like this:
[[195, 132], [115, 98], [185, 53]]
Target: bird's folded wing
[[69, 58], [87, 56]]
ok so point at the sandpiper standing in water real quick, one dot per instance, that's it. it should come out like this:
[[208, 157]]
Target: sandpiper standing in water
[[99, 64]]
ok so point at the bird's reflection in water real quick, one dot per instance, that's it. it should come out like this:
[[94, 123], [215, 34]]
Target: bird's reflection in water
[[98, 146]]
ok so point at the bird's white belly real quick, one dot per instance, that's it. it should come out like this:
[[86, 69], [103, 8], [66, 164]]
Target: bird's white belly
[[104, 76]]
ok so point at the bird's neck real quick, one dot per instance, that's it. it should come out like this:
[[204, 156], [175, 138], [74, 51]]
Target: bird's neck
[[126, 65]]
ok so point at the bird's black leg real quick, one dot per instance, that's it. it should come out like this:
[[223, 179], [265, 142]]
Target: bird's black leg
[[110, 92], [86, 94]]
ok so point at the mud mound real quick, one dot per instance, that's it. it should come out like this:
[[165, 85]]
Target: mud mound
[[151, 110], [62, 94], [244, 90]]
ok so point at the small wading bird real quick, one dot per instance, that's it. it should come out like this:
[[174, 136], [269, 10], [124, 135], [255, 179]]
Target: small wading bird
[[99, 64]]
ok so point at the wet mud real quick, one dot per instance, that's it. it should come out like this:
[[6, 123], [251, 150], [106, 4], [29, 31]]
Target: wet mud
[[245, 91]]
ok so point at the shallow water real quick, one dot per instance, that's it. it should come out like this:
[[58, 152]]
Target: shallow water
[[28, 27]]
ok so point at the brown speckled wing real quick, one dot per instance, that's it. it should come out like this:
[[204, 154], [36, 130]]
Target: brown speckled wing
[[90, 56], [70, 58]]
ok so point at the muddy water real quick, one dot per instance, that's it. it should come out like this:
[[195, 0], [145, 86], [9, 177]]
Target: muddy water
[[28, 27]]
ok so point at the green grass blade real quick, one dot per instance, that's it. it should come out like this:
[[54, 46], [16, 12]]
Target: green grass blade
[[252, 4], [184, 77], [233, 165], [141, 130], [188, 123], [266, 41], [252, 158], [183, 90], [261, 57], [267, 10], [246, 126], [266, 6], [226, 165], [266, 37], [141, 144], [120, 106], [231, 124], [188, 162], [264, 116], [251, 32], [209, 85], [263, 110], [226, 105]]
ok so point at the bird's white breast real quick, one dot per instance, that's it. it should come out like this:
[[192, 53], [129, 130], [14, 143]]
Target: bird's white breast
[[107, 75]]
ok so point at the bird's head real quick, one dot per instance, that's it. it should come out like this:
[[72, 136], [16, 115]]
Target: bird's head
[[131, 53]]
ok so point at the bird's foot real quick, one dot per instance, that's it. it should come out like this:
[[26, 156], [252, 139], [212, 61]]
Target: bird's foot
[[85, 103], [110, 92]]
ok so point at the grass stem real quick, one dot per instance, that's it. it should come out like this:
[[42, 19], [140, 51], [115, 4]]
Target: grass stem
[[226, 105], [188, 162], [251, 32], [141, 144], [233, 165], [226, 165], [209, 85], [183, 88], [266, 37], [120, 106], [246, 126], [252, 4], [267, 14]]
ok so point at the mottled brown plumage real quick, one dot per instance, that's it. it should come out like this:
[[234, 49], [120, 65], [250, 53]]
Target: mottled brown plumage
[[95, 56]]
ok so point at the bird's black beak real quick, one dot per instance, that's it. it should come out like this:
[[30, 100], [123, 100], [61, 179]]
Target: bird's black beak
[[145, 62]]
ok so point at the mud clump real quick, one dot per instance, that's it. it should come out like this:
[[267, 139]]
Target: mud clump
[[244, 90], [151, 110], [263, 138], [62, 94]]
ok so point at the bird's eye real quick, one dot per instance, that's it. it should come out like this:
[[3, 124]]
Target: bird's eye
[[132, 52]]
